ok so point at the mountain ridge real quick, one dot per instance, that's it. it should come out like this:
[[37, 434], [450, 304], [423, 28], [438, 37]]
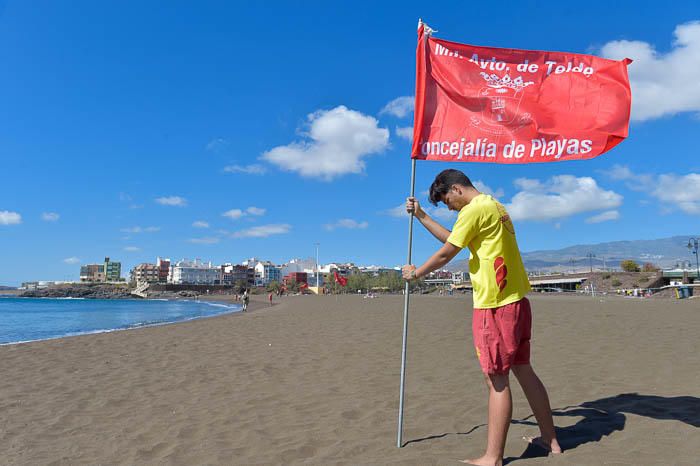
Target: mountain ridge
[[662, 252]]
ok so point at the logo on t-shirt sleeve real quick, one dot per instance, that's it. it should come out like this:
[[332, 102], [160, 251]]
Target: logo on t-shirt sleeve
[[499, 265], [505, 218]]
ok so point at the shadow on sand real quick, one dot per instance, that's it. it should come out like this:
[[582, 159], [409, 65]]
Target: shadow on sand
[[602, 418], [605, 416]]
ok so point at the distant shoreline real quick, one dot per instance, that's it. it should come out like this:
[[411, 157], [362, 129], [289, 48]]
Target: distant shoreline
[[227, 306]]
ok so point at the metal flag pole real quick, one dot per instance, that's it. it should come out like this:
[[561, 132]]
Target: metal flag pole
[[405, 311]]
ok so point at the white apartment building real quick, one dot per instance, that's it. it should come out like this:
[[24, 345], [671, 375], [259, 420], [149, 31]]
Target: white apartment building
[[342, 269], [194, 272], [299, 265], [376, 270], [265, 272]]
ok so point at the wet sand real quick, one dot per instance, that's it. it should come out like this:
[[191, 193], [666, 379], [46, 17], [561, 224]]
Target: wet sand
[[315, 380]]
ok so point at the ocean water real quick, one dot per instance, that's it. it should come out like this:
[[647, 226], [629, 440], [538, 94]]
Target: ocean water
[[29, 319]]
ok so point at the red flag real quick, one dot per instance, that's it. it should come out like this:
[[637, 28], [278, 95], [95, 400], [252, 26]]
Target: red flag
[[480, 104], [342, 280]]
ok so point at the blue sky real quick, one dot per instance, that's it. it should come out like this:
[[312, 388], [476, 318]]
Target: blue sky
[[225, 130]]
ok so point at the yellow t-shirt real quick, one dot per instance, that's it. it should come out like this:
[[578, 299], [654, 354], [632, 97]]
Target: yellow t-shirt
[[495, 266]]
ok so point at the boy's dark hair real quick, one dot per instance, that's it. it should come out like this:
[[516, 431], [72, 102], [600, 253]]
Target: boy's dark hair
[[444, 181]]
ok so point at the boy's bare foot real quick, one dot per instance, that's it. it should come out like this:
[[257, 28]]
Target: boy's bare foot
[[551, 446], [483, 461]]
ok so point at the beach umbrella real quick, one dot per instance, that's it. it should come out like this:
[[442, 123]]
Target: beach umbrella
[[510, 106]]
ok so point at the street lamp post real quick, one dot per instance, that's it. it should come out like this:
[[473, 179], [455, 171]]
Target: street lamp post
[[317, 289], [590, 259], [693, 248]]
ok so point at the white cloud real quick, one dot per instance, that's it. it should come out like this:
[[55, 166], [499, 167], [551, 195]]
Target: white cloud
[[138, 229], [71, 260], [200, 224], [50, 216], [176, 201], [634, 181], [619, 172], [662, 83], [132, 249], [233, 214], [337, 142], [442, 213], [257, 211], [236, 214], [561, 196], [399, 211], [604, 216], [10, 218], [346, 223], [204, 240], [527, 184], [674, 191], [683, 191], [405, 132], [253, 169], [263, 231], [399, 107], [218, 144], [486, 189]]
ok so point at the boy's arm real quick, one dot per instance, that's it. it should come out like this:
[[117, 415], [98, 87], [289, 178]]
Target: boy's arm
[[443, 255], [437, 230]]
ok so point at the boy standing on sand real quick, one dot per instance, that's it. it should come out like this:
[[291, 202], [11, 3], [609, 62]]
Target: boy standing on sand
[[246, 299], [501, 320]]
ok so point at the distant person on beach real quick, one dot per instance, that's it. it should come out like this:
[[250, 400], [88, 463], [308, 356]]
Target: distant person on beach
[[270, 298], [246, 299], [502, 320]]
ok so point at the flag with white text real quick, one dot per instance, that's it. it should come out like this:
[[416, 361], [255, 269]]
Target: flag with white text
[[481, 104]]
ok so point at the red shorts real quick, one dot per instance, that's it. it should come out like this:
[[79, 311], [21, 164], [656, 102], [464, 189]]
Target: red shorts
[[502, 336]]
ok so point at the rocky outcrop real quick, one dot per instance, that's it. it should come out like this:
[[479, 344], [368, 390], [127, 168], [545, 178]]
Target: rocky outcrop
[[172, 294], [103, 291], [90, 291]]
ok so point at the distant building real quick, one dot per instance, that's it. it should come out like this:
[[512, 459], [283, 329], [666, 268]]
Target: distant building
[[145, 273], [460, 277], [440, 274], [250, 262], [311, 279], [299, 277], [298, 265], [375, 270], [113, 271], [40, 285], [342, 269], [163, 269], [266, 272], [92, 273], [231, 274], [194, 272]]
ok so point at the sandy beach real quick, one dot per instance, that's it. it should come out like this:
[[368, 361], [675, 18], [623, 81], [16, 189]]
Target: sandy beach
[[314, 380]]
